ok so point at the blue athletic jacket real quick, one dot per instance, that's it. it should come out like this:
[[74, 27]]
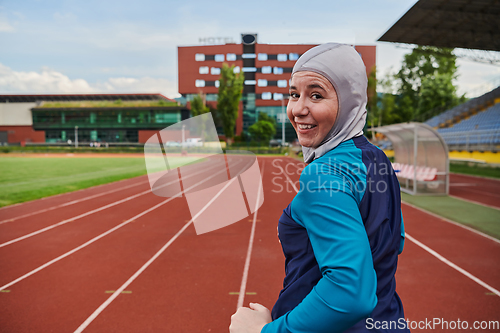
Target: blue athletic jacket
[[341, 236]]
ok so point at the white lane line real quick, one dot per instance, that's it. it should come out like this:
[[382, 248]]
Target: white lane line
[[434, 253], [102, 235], [474, 202], [61, 194], [289, 180], [86, 214], [453, 222], [494, 195], [246, 268], [149, 262], [83, 245], [70, 203], [452, 265]]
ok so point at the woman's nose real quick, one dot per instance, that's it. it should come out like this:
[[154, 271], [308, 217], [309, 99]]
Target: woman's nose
[[300, 108]]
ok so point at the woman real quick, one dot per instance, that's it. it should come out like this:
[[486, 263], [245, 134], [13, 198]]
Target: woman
[[342, 233]]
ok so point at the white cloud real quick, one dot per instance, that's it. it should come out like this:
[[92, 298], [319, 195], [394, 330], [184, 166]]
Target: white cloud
[[476, 78], [51, 81], [141, 85], [46, 81], [5, 26]]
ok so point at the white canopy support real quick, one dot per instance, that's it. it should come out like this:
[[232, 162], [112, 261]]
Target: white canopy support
[[420, 158]]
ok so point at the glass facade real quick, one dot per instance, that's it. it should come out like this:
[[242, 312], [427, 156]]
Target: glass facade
[[101, 125], [249, 114], [85, 135]]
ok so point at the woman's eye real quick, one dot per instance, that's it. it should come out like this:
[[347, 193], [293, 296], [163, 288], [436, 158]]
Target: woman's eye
[[294, 95], [316, 96]]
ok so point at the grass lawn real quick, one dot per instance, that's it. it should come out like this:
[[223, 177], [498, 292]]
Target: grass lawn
[[479, 217], [28, 178], [476, 170]]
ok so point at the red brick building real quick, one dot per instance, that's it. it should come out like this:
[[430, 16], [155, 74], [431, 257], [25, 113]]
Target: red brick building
[[267, 69]]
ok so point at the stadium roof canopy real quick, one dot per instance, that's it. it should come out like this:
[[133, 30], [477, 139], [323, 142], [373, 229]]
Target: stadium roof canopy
[[80, 97], [470, 24]]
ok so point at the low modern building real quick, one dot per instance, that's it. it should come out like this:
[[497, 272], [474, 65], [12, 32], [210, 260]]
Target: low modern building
[[111, 118], [126, 118], [267, 69]]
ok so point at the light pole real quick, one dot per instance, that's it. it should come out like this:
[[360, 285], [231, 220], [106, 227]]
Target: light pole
[[283, 120], [76, 136]]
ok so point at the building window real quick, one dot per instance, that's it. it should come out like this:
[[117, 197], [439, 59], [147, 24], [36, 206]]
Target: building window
[[204, 70], [219, 57], [199, 83], [236, 69], [266, 70], [262, 56], [282, 83], [215, 71], [217, 84], [277, 70], [293, 56], [282, 57], [250, 82], [266, 95], [277, 96], [231, 57], [262, 83], [249, 69], [248, 56], [199, 57]]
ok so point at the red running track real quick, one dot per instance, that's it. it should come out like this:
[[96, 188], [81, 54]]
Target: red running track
[[484, 191], [193, 285]]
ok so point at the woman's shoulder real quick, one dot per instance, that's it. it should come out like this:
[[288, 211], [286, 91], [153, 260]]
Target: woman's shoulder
[[344, 160]]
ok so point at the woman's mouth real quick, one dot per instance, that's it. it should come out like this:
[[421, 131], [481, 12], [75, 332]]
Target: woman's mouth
[[305, 127]]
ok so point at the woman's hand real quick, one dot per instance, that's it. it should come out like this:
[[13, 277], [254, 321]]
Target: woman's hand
[[250, 320]]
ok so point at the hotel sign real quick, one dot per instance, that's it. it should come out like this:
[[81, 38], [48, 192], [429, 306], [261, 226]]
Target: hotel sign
[[215, 40]]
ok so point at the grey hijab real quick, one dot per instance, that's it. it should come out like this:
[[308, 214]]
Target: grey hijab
[[342, 66]]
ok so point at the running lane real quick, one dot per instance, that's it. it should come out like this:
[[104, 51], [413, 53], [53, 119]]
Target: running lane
[[61, 297], [482, 190], [429, 288], [193, 286]]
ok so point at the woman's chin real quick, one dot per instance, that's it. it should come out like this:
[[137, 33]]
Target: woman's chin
[[305, 143]]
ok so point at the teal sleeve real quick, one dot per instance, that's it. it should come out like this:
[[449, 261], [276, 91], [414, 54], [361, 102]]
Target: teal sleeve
[[347, 291], [402, 242]]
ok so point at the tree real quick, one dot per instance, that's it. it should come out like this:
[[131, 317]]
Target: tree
[[424, 69], [198, 106], [265, 117], [371, 106], [262, 130], [228, 99]]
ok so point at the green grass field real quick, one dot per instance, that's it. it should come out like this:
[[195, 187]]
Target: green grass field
[[28, 178], [479, 217], [475, 170]]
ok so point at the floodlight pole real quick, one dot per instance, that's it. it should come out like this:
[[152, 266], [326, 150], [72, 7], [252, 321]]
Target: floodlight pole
[[183, 135], [283, 117], [76, 136]]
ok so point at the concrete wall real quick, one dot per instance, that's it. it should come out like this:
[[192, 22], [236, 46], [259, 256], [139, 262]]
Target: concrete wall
[[16, 114]]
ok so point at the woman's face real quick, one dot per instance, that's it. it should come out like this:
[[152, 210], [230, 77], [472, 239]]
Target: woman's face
[[312, 107]]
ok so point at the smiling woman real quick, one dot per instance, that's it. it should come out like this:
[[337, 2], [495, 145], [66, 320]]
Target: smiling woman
[[312, 108], [342, 233]]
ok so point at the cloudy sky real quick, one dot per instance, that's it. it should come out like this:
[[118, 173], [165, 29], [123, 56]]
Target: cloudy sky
[[70, 46]]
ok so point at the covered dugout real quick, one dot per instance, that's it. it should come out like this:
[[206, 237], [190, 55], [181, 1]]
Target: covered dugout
[[420, 158]]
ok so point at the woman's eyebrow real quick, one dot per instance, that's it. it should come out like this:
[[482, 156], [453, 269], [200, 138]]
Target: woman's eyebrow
[[315, 85], [310, 86]]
